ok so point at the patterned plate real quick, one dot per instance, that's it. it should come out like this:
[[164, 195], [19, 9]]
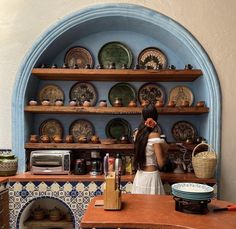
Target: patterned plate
[[118, 127], [181, 93], [124, 91], [151, 92], [83, 91], [152, 57], [51, 127], [51, 92], [115, 52], [82, 127], [183, 130], [80, 56]]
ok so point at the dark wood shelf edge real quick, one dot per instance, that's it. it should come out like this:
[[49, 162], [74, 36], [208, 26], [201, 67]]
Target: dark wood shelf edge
[[164, 75], [115, 110]]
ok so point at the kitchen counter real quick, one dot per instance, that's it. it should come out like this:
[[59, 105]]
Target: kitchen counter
[[166, 177], [155, 211]]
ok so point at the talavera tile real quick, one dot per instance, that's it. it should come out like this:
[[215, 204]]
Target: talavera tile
[[55, 187], [67, 187], [42, 187]]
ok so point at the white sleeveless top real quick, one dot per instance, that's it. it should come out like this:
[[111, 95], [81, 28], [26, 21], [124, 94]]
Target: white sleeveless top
[[150, 154]]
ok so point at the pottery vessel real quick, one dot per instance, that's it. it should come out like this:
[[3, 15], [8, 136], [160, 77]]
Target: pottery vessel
[[33, 102], [82, 139], [69, 139], [59, 102], [185, 103], [103, 103], [200, 104], [132, 103], [38, 213], [34, 138], [73, 102], [144, 103], [159, 103], [171, 104], [57, 138], [117, 102], [55, 214], [45, 138], [45, 102], [8, 163], [95, 139], [87, 104]]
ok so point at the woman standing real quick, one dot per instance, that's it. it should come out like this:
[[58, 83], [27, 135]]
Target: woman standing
[[150, 154]]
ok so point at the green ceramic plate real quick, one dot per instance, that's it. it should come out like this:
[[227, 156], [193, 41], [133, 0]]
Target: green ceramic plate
[[115, 52], [118, 127], [124, 91]]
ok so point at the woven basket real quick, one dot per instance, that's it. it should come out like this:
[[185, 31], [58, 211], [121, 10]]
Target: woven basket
[[204, 163]]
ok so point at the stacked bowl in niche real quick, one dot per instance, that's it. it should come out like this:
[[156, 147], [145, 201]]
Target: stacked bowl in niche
[[192, 191]]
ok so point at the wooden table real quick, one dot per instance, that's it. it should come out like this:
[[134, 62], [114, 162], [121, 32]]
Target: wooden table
[[155, 211]]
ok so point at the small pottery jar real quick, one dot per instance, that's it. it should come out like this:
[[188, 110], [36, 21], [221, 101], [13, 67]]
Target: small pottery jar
[[95, 139], [159, 103], [102, 103], [87, 66], [144, 103], [113, 66], [33, 102], [57, 138], [184, 103], [55, 214], [82, 139], [45, 138], [86, 103], [54, 66], [132, 103], [117, 102], [69, 139], [8, 163], [38, 213], [69, 217], [189, 141], [33, 138], [100, 66], [46, 102], [200, 104], [124, 66], [73, 102], [65, 65], [171, 103], [188, 66], [124, 139], [76, 66], [58, 102]]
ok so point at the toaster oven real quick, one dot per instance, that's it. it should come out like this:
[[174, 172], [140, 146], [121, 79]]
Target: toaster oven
[[50, 162]]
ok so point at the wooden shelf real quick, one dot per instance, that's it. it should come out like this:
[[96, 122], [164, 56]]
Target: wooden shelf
[[114, 110], [46, 223], [88, 146], [127, 75]]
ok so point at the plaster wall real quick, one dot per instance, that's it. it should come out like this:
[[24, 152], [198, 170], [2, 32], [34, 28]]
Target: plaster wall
[[211, 23]]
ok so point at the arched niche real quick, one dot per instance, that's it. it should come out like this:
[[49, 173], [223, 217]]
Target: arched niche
[[141, 27]]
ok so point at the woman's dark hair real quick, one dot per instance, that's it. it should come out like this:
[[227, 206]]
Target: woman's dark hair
[[141, 140]]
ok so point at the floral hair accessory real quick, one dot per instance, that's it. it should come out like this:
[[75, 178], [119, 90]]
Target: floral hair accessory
[[150, 123]]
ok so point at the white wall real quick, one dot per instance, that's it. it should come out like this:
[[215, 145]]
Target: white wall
[[212, 22]]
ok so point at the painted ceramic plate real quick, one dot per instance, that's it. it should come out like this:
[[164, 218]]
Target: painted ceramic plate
[[80, 56], [183, 130], [115, 52], [124, 91], [118, 127], [192, 188], [51, 92], [51, 127], [81, 127], [181, 93], [84, 91], [151, 92], [152, 57]]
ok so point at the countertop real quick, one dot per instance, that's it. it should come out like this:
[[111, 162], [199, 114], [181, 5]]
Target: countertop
[[166, 177], [156, 211]]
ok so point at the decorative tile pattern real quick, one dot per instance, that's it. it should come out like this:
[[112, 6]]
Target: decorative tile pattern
[[74, 195]]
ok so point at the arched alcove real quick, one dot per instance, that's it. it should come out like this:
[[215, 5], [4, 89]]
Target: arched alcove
[[141, 27]]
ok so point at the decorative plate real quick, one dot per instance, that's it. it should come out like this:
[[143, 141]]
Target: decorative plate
[[80, 56], [51, 127], [118, 127], [183, 130], [124, 91], [51, 92], [152, 57], [151, 92], [82, 127], [181, 93], [84, 91], [115, 52]]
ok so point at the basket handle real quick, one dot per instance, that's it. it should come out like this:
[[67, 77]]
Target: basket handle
[[203, 143]]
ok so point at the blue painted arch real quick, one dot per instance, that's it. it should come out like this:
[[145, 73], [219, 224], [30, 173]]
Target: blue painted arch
[[110, 17]]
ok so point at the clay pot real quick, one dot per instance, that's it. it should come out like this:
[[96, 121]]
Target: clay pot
[[82, 139], [103, 103], [55, 214], [38, 213], [57, 138], [184, 103], [69, 139], [45, 102], [87, 104], [59, 102], [33, 102], [159, 103], [144, 103], [117, 102], [33, 138], [45, 138], [124, 139], [200, 104], [132, 103], [171, 104], [73, 102], [95, 139]]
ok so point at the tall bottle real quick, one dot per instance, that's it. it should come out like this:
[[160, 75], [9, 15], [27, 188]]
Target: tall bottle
[[118, 170], [105, 164]]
